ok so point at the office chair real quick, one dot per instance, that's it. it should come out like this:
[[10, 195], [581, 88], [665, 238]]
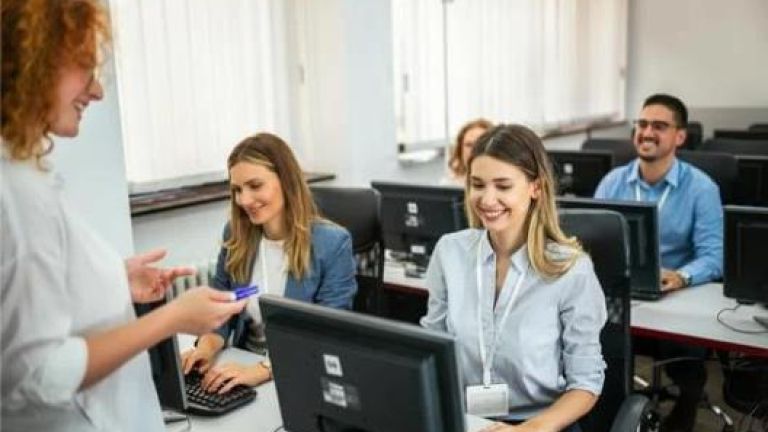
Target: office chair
[[694, 136], [758, 127], [604, 236], [722, 168], [357, 210], [623, 149], [736, 146]]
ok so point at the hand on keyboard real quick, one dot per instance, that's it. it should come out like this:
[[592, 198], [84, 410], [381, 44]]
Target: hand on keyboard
[[204, 402], [223, 378]]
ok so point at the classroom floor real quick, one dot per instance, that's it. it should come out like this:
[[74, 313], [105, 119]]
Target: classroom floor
[[706, 420]]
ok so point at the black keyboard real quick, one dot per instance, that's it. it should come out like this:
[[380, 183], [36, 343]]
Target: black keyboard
[[201, 402]]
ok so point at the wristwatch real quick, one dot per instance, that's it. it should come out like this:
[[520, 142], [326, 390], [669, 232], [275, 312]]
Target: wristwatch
[[266, 364], [685, 276]]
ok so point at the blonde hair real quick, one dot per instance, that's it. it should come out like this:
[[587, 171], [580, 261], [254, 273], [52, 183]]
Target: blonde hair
[[455, 163], [299, 212], [519, 146], [40, 37]]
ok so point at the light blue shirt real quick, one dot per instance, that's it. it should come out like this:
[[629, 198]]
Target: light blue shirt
[[690, 219], [550, 342]]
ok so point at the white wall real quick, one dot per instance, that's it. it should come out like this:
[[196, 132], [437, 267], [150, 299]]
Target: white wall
[[93, 169], [713, 54]]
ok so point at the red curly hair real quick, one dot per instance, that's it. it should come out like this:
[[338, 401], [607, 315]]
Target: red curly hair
[[39, 37]]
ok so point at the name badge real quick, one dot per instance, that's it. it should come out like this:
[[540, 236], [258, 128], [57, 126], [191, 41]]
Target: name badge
[[488, 401]]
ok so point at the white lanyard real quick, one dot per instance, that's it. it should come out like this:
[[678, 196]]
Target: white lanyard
[[488, 362], [263, 258], [661, 201]]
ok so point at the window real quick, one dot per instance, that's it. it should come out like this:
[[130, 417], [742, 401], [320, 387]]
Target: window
[[548, 64], [195, 77]]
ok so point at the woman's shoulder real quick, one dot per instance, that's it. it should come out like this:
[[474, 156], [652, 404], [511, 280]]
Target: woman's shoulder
[[326, 232], [461, 241], [582, 263]]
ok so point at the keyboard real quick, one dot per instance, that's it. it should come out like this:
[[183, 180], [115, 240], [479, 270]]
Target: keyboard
[[201, 402]]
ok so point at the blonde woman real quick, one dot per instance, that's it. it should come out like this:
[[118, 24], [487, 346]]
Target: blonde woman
[[275, 240], [462, 148], [520, 297]]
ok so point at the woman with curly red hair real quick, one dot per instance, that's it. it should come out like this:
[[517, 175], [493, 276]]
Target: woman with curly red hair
[[73, 351]]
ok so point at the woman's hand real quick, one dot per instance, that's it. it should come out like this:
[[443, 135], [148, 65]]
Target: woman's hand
[[222, 378], [202, 310], [500, 427], [148, 283], [201, 356]]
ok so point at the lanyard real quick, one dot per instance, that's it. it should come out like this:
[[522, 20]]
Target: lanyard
[[661, 201], [488, 361], [263, 256]]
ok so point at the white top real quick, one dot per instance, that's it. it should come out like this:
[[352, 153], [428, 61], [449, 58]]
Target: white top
[[60, 281], [549, 341], [272, 261]]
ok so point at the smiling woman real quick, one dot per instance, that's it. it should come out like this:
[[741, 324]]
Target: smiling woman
[[275, 240]]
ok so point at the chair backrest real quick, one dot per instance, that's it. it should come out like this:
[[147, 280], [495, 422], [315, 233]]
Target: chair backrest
[[604, 234], [693, 136], [623, 149], [736, 146], [357, 210], [758, 127], [722, 168], [740, 134]]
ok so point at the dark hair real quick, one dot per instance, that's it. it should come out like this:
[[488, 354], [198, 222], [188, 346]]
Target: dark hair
[[519, 146], [674, 104]]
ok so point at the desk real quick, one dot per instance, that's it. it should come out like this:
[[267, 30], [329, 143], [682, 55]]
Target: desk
[[261, 415], [687, 316], [690, 316]]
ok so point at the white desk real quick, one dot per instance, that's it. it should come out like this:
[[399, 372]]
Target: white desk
[[688, 315], [261, 415]]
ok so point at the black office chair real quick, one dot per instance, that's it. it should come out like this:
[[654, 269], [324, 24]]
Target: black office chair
[[736, 146], [694, 135], [758, 127], [722, 168], [357, 209], [623, 149], [604, 235]]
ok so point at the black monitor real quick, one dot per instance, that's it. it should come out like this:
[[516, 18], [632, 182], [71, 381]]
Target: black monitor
[[741, 134], [644, 258], [166, 367], [752, 183], [341, 371], [414, 217], [578, 172], [746, 234]]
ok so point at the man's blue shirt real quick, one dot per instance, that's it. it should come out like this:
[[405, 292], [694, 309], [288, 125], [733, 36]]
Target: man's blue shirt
[[690, 216]]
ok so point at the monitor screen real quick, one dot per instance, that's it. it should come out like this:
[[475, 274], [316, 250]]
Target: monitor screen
[[746, 234], [414, 217], [642, 220], [166, 367], [341, 371], [578, 172]]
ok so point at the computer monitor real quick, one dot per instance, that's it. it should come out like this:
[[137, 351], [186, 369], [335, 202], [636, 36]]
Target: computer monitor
[[166, 367], [746, 234], [752, 183], [414, 217], [342, 371], [578, 172], [740, 134], [644, 258]]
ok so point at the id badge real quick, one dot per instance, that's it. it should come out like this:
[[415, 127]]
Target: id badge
[[488, 401]]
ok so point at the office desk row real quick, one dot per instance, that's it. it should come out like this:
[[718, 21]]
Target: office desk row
[[261, 415], [688, 315]]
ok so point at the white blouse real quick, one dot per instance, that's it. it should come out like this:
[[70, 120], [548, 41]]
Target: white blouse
[[60, 282]]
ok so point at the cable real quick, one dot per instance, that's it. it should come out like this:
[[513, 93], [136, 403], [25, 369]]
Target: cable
[[278, 428], [736, 329]]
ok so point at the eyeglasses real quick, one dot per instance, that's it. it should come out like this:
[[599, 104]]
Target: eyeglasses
[[656, 125]]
